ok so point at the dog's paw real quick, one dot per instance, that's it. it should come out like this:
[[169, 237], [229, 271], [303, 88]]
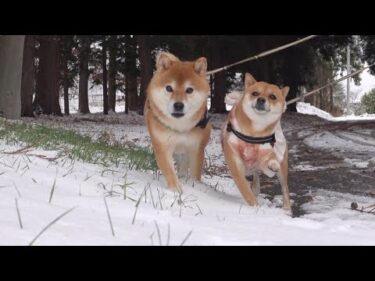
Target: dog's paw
[[175, 188], [288, 211], [252, 202], [287, 206], [273, 165]]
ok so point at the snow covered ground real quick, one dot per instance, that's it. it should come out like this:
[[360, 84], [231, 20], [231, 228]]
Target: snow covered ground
[[95, 100], [42, 187], [208, 213], [349, 142], [213, 215], [306, 108]]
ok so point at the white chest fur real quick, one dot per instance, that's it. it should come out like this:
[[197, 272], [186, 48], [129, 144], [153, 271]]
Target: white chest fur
[[176, 142]]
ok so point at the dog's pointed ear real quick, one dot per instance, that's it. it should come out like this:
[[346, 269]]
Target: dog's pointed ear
[[285, 91], [164, 61], [200, 66], [233, 97], [249, 80]]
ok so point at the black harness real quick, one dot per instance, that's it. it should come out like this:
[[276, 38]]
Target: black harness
[[269, 139], [204, 121]]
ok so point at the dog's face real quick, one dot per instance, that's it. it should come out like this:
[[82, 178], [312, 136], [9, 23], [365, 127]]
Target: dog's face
[[263, 102], [179, 89]]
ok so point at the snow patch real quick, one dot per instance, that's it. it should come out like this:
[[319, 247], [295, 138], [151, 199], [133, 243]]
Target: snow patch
[[327, 140], [306, 108]]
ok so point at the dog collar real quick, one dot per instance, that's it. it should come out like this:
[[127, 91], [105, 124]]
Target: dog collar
[[249, 139]]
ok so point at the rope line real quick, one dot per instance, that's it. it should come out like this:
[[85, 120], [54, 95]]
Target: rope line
[[329, 84], [263, 54]]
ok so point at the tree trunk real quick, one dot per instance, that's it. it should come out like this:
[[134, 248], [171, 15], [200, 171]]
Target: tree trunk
[[218, 104], [83, 102], [211, 82], [11, 58], [130, 74], [319, 100], [290, 76], [105, 84], [28, 77], [263, 65], [145, 60], [314, 99], [331, 99], [191, 46], [322, 92], [219, 91], [112, 71], [47, 88], [66, 88]]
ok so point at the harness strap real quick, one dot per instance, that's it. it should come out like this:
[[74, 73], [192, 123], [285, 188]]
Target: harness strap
[[249, 139]]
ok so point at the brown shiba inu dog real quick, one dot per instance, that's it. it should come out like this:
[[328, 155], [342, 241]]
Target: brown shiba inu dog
[[253, 140], [176, 117]]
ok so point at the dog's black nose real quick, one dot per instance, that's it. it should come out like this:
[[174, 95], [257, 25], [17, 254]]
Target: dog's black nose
[[261, 100], [178, 106]]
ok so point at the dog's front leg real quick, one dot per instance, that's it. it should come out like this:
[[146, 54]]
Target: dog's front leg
[[269, 164], [196, 160], [282, 174], [182, 165], [256, 183], [164, 158], [238, 171]]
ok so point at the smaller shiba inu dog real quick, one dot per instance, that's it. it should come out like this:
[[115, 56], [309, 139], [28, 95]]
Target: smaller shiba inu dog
[[176, 117], [252, 138]]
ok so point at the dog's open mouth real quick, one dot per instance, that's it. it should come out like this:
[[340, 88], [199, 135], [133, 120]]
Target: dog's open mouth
[[178, 114]]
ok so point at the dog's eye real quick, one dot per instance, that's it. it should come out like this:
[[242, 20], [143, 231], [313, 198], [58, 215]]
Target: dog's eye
[[255, 94], [189, 90], [169, 89], [272, 97]]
